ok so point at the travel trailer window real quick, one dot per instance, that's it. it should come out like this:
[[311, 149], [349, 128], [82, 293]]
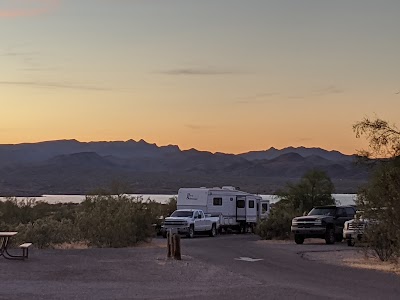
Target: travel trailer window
[[217, 201], [264, 208], [251, 203], [240, 203]]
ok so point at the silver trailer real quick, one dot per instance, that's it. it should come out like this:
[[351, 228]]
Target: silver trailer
[[236, 209]]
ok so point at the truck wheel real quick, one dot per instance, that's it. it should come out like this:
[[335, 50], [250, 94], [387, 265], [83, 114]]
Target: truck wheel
[[213, 231], [330, 236], [191, 232], [299, 239], [253, 228], [351, 242], [339, 238]]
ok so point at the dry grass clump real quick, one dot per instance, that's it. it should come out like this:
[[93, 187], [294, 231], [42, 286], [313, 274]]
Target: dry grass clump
[[71, 246], [371, 262]]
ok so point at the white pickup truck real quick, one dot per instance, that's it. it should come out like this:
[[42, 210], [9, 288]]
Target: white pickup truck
[[353, 230], [190, 222]]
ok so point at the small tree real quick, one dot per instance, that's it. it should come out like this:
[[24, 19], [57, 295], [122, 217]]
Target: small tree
[[383, 138], [315, 188], [379, 200]]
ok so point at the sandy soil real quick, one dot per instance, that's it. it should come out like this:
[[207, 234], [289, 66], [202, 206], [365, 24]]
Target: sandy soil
[[313, 249], [337, 254], [356, 258]]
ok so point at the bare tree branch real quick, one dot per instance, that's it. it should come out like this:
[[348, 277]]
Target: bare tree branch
[[383, 138]]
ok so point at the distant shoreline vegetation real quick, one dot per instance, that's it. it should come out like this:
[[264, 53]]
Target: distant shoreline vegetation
[[342, 199]]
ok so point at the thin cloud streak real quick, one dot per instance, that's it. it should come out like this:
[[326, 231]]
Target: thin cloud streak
[[40, 69], [329, 90], [255, 99], [17, 54], [55, 85], [45, 6], [190, 72], [326, 91], [198, 127]]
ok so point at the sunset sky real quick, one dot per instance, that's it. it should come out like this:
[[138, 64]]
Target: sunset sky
[[216, 75]]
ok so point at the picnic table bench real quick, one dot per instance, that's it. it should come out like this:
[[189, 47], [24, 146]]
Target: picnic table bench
[[5, 237]]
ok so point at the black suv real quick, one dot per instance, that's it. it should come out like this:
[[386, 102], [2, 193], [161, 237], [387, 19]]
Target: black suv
[[324, 222]]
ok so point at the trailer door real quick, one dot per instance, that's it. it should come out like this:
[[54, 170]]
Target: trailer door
[[241, 208], [251, 213]]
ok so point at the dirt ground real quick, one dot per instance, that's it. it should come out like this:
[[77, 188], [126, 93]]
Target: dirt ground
[[356, 259], [338, 254]]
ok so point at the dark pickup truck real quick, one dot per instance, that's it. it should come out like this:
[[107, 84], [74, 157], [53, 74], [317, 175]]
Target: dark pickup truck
[[324, 222]]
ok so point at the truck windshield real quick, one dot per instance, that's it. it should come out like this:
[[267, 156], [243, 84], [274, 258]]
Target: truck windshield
[[180, 213], [322, 211]]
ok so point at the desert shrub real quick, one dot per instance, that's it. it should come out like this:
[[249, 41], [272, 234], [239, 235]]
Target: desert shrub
[[115, 221], [378, 238], [379, 202], [169, 207], [13, 211], [46, 232], [277, 226], [41, 223], [102, 220]]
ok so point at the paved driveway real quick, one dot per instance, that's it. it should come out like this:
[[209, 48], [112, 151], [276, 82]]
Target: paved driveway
[[225, 267]]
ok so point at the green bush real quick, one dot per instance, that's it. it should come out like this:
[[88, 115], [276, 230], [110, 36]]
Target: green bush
[[102, 220], [277, 226], [115, 221], [46, 232]]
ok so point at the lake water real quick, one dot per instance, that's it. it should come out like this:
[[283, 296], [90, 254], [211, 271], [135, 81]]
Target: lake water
[[342, 199]]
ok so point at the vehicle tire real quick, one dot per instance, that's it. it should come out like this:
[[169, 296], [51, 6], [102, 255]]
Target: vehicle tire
[[190, 234], [213, 231], [253, 228], [299, 239], [339, 238], [351, 242], [330, 236]]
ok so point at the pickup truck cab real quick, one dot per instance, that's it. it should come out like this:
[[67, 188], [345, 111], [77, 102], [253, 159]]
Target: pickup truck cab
[[326, 222], [191, 221]]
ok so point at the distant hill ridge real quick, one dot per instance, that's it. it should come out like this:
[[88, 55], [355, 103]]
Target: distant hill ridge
[[70, 166], [272, 153], [47, 149]]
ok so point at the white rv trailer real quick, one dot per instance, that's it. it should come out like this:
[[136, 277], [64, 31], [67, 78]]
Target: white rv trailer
[[236, 209]]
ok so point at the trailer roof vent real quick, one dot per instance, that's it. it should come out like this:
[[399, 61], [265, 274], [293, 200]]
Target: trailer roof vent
[[231, 188]]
